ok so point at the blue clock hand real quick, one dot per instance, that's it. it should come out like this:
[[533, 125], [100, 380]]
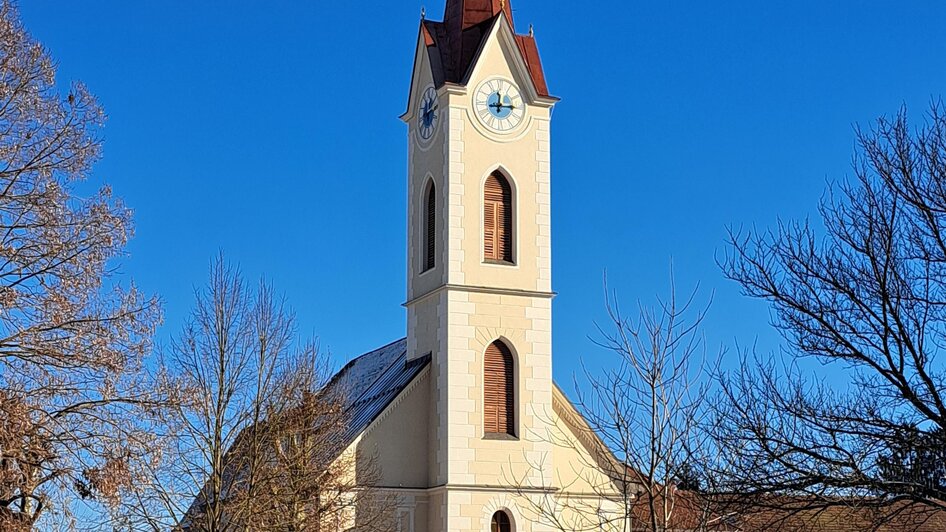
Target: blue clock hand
[[427, 112], [498, 104]]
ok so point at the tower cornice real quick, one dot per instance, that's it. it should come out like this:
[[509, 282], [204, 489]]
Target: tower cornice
[[480, 290]]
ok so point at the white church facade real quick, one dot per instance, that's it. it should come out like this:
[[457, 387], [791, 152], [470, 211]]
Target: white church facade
[[462, 416]]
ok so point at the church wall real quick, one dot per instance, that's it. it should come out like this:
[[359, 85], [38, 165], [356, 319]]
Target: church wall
[[424, 322], [584, 491], [421, 515], [471, 511], [524, 157], [576, 469], [412, 511], [475, 321], [438, 450], [436, 511], [426, 162], [397, 441]]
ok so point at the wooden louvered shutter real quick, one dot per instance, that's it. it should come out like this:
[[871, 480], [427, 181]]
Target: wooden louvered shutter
[[499, 415], [489, 230], [430, 228], [497, 219]]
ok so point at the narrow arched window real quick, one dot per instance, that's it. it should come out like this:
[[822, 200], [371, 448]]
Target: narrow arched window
[[499, 390], [430, 227], [497, 219], [500, 522]]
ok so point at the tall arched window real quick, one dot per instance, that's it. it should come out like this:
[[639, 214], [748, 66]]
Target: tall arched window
[[499, 390], [500, 522], [497, 219], [430, 227]]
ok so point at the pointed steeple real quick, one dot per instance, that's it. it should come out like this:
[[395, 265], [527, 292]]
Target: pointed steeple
[[461, 14], [453, 43]]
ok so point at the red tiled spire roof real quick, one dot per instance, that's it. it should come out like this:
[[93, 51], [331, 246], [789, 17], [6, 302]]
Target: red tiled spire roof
[[461, 14], [453, 43], [530, 52]]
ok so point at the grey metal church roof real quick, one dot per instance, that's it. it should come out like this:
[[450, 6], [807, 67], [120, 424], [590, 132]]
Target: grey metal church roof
[[367, 384], [370, 382]]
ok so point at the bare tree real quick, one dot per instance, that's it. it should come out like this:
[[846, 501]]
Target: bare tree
[[259, 441], [639, 423], [867, 297], [225, 362], [74, 401], [308, 478]]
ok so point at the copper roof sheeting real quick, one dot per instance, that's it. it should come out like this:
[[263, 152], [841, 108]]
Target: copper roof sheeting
[[461, 14], [530, 52]]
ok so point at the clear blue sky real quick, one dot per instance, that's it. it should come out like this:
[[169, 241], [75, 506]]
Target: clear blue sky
[[270, 130]]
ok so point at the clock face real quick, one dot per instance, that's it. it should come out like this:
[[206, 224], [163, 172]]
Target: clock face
[[429, 113], [499, 105]]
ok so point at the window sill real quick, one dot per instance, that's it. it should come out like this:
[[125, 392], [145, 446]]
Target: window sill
[[499, 262], [499, 436]]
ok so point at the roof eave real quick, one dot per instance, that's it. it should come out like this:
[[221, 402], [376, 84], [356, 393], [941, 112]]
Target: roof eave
[[501, 26]]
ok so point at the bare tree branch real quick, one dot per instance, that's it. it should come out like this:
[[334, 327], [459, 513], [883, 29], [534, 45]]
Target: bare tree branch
[[868, 298], [76, 404]]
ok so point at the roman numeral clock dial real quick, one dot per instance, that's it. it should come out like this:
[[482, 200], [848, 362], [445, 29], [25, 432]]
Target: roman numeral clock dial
[[499, 105], [429, 115]]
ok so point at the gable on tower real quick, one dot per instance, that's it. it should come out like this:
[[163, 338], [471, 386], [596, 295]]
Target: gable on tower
[[453, 46]]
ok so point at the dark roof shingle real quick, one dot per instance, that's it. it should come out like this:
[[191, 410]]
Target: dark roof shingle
[[370, 382]]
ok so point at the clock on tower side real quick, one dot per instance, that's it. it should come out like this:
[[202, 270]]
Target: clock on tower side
[[479, 264]]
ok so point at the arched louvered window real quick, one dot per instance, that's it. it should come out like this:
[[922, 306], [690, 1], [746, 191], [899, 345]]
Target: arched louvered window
[[499, 394], [500, 522], [430, 227], [497, 219]]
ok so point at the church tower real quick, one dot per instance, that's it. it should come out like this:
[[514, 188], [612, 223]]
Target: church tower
[[479, 296]]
